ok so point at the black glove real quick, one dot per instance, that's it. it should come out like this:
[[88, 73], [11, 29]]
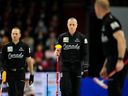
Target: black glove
[[85, 70], [31, 79], [84, 73]]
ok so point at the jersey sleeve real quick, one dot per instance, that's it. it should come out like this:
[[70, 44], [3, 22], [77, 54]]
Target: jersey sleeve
[[84, 44], [84, 47], [115, 26], [28, 51], [60, 39], [84, 52]]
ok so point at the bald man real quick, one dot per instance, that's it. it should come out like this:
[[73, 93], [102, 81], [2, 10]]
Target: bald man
[[114, 47], [15, 54], [72, 54]]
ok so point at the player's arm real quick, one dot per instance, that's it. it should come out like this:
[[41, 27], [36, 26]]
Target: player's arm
[[84, 52], [121, 43], [85, 47], [58, 50], [30, 62], [84, 58], [103, 72], [118, 34], [105, 62]]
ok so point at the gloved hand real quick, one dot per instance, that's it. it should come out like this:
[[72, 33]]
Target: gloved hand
[[85, 70], [3, 76], [85, 74], [58, 49], [31, 79]]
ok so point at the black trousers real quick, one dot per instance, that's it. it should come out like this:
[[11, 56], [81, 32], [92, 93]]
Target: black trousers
[[16, 82], [70, 82], [116, 82]]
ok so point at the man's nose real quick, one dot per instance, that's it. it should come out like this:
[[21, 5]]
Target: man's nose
[[14, 35], [71, 26]]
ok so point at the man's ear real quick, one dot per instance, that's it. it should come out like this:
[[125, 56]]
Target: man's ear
[[20, 35]]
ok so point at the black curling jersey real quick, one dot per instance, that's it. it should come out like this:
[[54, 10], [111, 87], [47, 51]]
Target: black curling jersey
[[73, 47], [14, 55], [110, 25]]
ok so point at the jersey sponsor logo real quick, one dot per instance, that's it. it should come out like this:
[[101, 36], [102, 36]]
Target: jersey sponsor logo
[[85, 41], [114, 25], [18, 56], [66, 39], [77, 40], [104, 38], [67, 47], [9, 49], [21, 49]]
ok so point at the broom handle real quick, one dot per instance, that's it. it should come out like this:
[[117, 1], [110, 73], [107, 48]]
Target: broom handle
[[57, 75], [114, 71]]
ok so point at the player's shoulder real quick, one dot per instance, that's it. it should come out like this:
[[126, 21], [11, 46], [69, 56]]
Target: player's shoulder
[[63, 34], [8, 44], [114, 22], [83, 37], [112, 19], [23, 43], [80, 34]]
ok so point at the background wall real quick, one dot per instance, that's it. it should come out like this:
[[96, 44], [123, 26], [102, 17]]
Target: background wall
[[122, 14]]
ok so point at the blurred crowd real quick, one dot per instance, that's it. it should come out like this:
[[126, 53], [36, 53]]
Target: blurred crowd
[[39, 21]]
